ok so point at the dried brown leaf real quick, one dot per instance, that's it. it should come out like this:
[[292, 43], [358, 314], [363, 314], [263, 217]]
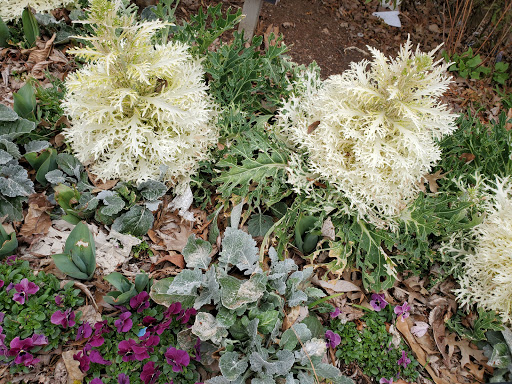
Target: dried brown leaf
[[39, 55], [37, 221], [72, 366], [174, 258]]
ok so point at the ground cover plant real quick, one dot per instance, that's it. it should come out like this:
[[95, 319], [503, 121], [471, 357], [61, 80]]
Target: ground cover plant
[[290, 228]]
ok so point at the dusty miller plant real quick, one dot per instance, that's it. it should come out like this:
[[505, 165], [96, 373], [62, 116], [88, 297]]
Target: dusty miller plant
[[137, 108], [249, 312]]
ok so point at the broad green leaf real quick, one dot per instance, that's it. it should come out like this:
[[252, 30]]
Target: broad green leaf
[[259, 224], [36, 146], [137, 221], [160, 296], [119, 281], [315, 326], [14, 181], [197, 253], [65, 265], [4, 34], [30, 26], [267, 319], [55, 177], [225, 317], [152, 190], [8, 243], [182, 288], [48, 165], [141, 282], [210, 289], [80, 243], [239, 249], [25, 101]]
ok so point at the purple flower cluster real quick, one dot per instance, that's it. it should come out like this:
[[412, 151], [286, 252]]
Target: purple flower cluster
[[332, 339], [20, 349], [23, 289]]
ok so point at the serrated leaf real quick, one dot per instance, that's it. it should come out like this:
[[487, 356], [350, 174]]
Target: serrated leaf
[[281, 366], [36, 146], [137, 221], [152, 189], [14, 181], [197, 253], [113, 205], [5, 157], [55, 177], [206, 328], [259, 224], [289, 339], [239, 249], [235, 293], [232, 365]]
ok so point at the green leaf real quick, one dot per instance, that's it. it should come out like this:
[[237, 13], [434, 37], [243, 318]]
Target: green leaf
[[55, 177], [137, 221], [302, 228], [289, 339], [4, 34], [197, 253], [11, 206], [8, 243], [259, 224], [69, 164], [315, 326], [113, 205], [30, 26], [267, 319], [25, 101], [239, 249], [65, 265], [80, 244], [14, 181], [13, 129], [281, 366], [152, 190], [119, 281], [6, 113], [207, 328], [141, 282], [235, 293], [48, 165], [232, 365]]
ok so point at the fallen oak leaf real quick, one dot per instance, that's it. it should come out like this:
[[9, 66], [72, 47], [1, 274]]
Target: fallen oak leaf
[[173, 257], [73, 367]]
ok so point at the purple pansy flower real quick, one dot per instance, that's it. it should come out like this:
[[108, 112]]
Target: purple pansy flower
[[20, 348], [383, 380], [140, 302], [404, 361], [9, 287], [148, 320], [58, 300], [177, 358], [96, 381], [84, 331], [130, 350], [84, 360], [378, 302], [124, 323], [184, 316], [1, 283], [403, 310], [123, 379], [23, 289], [100, 328], [65, 319], [333, 339], [149, 373], [96, 357], [173, 309], [334, 314], [11, 259]]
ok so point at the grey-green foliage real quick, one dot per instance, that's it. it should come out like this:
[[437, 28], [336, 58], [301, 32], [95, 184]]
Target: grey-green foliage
[[120, 207], [15, 186], [498, 350], [249, 311]]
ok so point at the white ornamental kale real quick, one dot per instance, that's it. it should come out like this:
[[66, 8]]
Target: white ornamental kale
[[370, 132], [138, 109], [12, 9], [486, 254]]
